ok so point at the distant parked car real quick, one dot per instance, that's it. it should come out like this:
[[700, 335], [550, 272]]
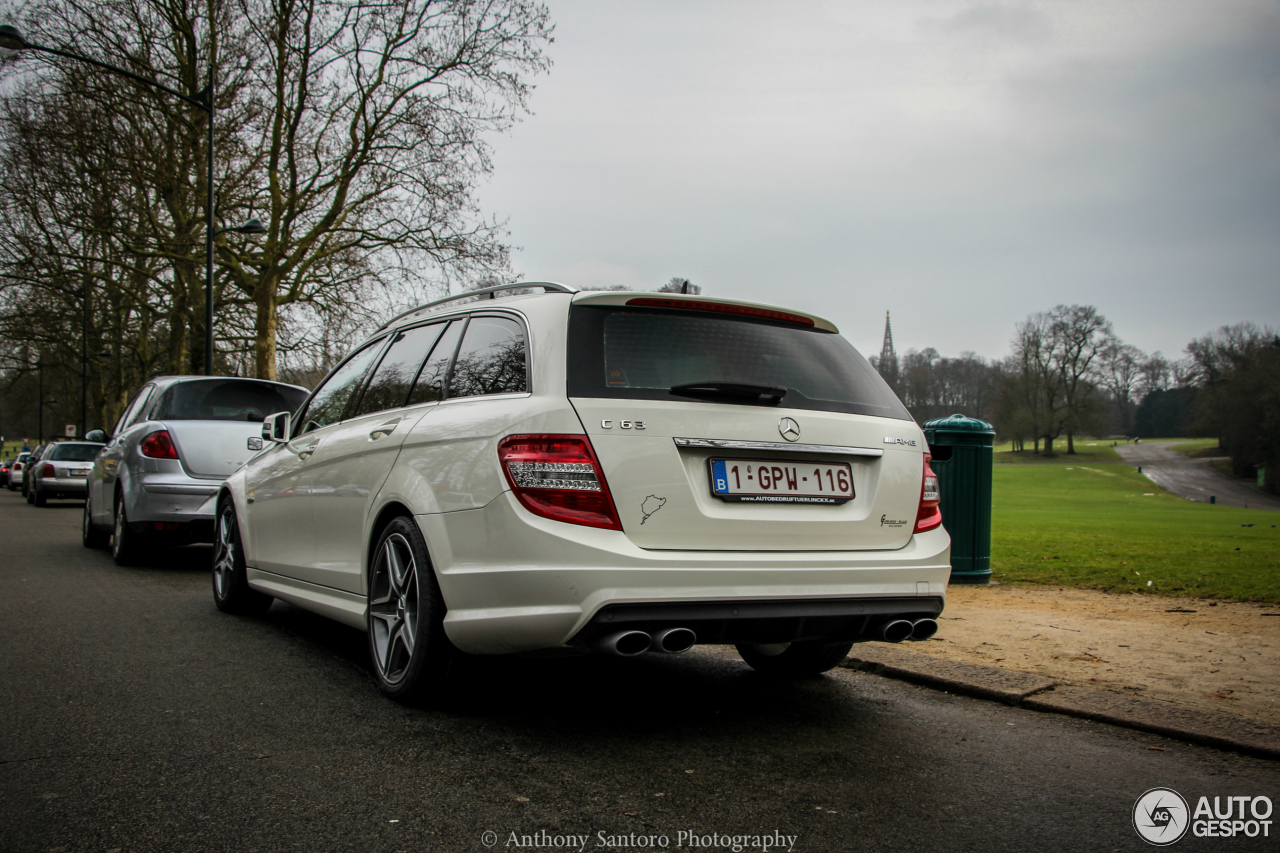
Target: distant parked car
[[178, 439], [26, 470], [15, 471], [63, 471], [5, 466]]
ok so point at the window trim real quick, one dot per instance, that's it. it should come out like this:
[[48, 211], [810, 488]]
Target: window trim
[[523, 323]]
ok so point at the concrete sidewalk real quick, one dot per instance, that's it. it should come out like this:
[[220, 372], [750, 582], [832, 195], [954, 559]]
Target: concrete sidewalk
[[1037, 693]]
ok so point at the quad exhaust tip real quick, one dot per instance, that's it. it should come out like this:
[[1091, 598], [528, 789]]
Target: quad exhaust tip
[[625, 644], [896, 631], [923, 629], [674, 641]]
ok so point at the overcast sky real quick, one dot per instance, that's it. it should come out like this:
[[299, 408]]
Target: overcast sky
[[961, 164]]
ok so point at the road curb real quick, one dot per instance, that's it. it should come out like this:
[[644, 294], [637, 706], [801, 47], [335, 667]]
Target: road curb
[[1037, 693]]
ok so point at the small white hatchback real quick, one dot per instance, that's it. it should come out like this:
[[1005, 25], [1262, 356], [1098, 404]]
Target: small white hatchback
[[618, 471]]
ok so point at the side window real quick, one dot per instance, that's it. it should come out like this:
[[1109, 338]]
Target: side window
[[130, 416], [430, 385], [333, 398], [491, 359], [389, 387]]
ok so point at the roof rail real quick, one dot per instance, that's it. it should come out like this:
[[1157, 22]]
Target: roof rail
[[547, 287]]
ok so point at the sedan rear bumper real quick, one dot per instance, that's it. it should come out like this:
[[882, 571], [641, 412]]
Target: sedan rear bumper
[[171, 497], [56, 487]]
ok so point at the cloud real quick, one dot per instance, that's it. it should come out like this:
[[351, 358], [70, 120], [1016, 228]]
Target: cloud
[[962, 164]]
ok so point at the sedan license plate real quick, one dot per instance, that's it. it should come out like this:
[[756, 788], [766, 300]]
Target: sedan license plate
[[775, 481], [79, 472]]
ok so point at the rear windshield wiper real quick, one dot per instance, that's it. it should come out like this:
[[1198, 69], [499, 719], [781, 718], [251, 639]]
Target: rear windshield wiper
[[744, 391]]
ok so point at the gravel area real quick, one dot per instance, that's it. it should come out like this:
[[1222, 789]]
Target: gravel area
[[1211, 655]]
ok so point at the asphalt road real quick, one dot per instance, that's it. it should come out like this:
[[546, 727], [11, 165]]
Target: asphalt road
[[1192, 478], [135, 717]]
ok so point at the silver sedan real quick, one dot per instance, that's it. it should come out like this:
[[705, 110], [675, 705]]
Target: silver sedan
[[62, 471], [178, 439]]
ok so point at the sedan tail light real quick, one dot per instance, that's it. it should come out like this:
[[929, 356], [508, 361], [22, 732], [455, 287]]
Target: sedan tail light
[[158, 445], [558, 477], [48, 471], [929, 515]]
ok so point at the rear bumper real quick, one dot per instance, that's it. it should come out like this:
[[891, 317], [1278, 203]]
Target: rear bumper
[[171, 497], [62, 487], [515, 582]]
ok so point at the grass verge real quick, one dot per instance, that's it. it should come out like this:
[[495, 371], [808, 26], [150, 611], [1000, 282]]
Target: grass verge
[[1111, 529], [1088, 452]]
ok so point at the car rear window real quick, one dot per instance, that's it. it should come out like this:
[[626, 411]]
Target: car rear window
[[75, 452], [642, 353], [226, 400]]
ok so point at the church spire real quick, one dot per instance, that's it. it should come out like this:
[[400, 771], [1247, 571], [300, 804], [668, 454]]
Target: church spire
[[888, 364]]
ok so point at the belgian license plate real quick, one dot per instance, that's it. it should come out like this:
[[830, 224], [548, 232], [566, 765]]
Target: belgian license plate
[[79, 472], [775, 481]]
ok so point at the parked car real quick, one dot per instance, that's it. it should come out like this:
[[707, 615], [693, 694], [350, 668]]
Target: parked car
[[15, 472], [27, 467], [613, 471], [63, 471], [178, 439], [6, 465]]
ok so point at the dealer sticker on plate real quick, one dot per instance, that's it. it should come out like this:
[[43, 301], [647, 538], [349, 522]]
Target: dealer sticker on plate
[[769, 481]]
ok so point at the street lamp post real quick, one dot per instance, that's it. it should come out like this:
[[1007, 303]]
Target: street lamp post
[[12, 40]]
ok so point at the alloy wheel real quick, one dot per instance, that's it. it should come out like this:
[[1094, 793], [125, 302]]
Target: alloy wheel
[[393, 608], [224, 555]]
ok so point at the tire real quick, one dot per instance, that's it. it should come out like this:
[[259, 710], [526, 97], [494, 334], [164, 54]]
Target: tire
[[91, 536], [127, 547], [231, 591], [807, 657], [30, 495], [412, 657], [38, 499]]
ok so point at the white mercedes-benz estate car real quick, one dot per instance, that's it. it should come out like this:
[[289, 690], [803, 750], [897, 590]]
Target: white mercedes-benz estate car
[[619, 471]]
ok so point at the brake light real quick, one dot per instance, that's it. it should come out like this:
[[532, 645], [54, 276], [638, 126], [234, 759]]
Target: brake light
[[48, 471], [558, 477], [929, 515], [722, 308], [158, 445]]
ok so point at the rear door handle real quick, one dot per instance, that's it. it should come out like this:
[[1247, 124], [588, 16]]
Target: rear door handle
[[384, 430]]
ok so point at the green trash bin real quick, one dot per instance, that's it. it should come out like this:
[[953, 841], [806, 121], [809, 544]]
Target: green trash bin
[[961, 448]]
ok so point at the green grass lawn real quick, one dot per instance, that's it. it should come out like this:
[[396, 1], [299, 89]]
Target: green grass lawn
[[1110, 528], [1199, 448], [1089, 451]]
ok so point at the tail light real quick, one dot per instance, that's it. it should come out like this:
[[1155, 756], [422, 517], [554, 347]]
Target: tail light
[[929, 515], [558, 477], [48, 471], [158, 445]]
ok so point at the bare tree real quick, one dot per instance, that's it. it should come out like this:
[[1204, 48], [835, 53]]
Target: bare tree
[[680, 285], [1121, 373], [368, 127]]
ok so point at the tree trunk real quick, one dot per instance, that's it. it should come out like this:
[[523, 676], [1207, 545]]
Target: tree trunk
[[1071, 442], [268, 318], [1048, 445]]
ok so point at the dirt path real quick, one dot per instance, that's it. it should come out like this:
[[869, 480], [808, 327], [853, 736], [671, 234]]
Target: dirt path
[[1220, 656], [1193, 479]]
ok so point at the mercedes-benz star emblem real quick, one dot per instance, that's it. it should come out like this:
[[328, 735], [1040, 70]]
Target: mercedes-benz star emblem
[[790, 429]]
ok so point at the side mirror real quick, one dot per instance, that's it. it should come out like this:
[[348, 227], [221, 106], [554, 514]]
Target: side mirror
[[275, 428], [96, 435]]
